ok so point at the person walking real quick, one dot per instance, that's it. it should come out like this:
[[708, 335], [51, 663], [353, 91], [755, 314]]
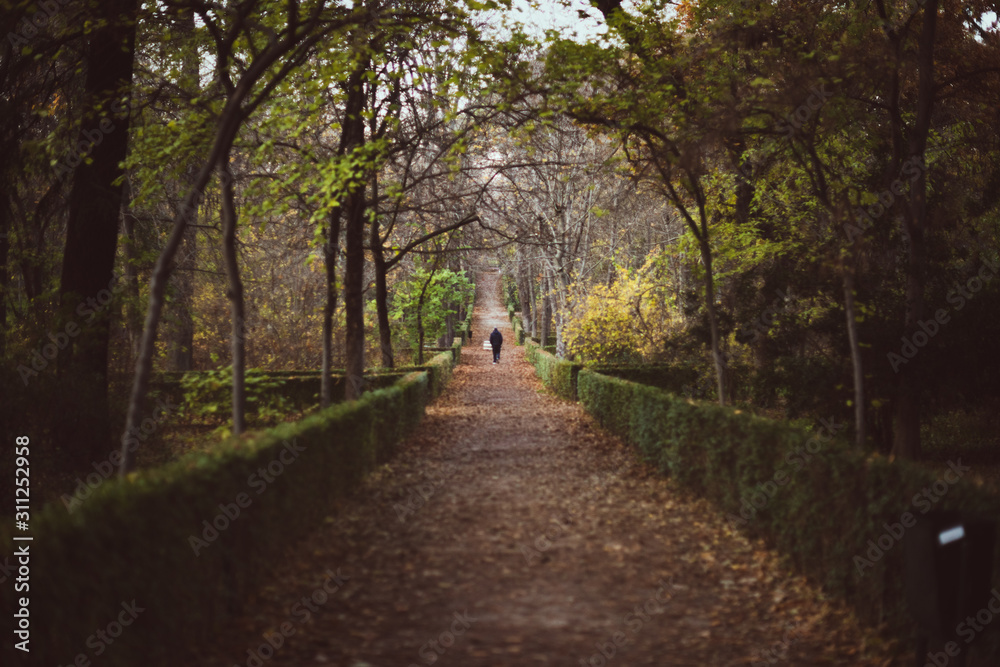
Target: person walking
[[496, 340]]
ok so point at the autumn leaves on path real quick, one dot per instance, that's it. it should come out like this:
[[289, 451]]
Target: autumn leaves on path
[[510, 530]]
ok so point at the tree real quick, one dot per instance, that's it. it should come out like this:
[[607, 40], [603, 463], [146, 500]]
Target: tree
[[94, 211], [288, 39]]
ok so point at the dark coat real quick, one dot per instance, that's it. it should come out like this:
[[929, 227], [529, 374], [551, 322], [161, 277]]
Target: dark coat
[[496, 338]]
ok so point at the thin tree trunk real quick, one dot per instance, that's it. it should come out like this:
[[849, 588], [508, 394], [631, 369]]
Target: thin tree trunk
[[860, 434], [534, 306], [133, 312], [420, 311], [713, 321], [181, 345], [524, 294], [381, 296], [546, 312], [235, 294]]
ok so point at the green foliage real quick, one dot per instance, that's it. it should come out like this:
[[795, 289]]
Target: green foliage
[[90, 555], [510, 296], [445, 291], [824, 500], [208, 395]]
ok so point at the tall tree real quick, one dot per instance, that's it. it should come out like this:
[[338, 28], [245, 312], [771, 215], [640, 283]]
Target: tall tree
[[94, 214]]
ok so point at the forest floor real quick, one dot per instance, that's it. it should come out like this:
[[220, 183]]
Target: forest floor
[[510, 529]]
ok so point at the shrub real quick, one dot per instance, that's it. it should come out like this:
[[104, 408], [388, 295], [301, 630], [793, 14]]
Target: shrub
[[558, 375], [811, 495], [150, 537]]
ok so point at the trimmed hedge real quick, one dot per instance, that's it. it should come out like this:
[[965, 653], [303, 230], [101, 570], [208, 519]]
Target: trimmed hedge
[[675, 378], [823, 502], [301, 388], [151, 538], [558, 375]]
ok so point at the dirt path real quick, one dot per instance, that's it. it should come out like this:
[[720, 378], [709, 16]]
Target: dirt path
[[510, 530]]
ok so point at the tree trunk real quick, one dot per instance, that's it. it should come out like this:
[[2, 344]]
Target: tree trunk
[[524, 294], [713, 320], [92, 226], [381, 296], [546, 311], [534, 306], [354, 271], [235, 294], [907, 417], [562, 312], [860, 434], [133, 311], [331, 253], [181, 346], [420, 312]]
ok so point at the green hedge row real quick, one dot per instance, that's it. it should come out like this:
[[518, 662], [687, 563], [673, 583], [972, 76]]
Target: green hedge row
[[557, 374], [678, 379], [189, 541], [300, 388], [808, 493]]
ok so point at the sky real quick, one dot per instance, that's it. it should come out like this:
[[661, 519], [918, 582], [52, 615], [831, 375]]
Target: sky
[[556, 15]]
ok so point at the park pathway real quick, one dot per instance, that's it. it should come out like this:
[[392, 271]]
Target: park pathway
[[511, 530]]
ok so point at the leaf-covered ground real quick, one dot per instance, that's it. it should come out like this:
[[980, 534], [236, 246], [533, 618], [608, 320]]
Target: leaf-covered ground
[[511, 530]]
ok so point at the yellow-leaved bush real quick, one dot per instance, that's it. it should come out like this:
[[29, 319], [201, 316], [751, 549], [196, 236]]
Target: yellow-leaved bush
[[628, 320]]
